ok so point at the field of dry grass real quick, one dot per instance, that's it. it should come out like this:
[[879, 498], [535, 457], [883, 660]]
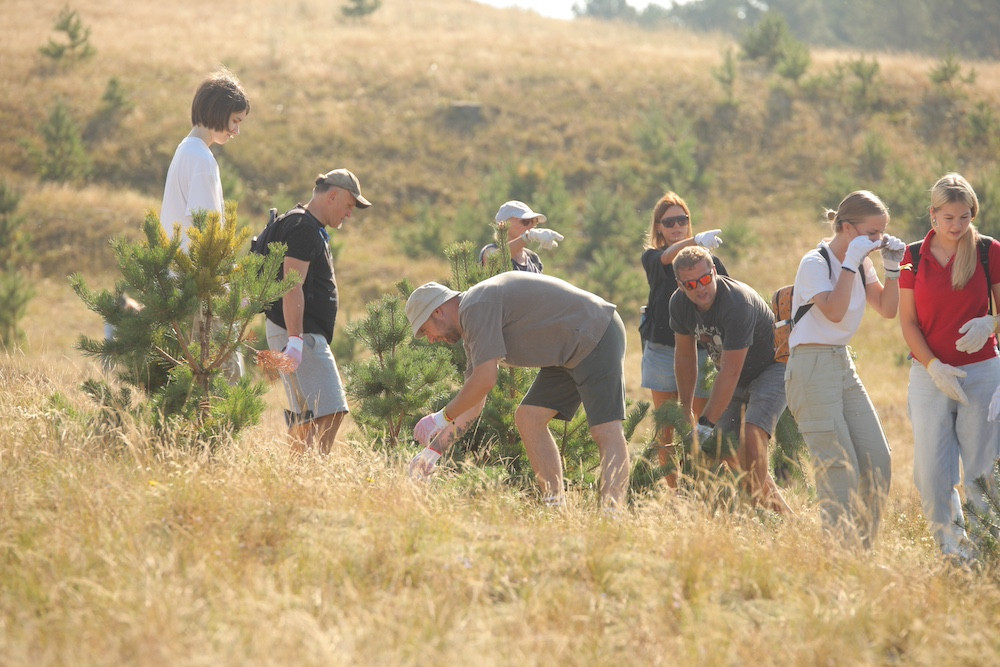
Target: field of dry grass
[[113, 550]]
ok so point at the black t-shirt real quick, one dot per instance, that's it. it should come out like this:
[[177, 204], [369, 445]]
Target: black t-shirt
[[738, 318], [308, 241], [662, 284], [533, 263]]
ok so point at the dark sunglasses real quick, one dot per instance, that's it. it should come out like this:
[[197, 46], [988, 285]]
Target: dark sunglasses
[[701, 280], [676, 220]]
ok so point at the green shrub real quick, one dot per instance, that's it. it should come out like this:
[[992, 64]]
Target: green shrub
[[15, 282], [62, 156], [77, 45]]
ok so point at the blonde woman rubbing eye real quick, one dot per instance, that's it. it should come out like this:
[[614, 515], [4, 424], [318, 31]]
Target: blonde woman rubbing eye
[[833, 285]]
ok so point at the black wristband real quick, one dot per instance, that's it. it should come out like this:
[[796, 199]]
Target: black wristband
[[703, 421]]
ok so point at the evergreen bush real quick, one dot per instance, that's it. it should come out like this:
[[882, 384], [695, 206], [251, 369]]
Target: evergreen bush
[[15, 283], [159, 349]]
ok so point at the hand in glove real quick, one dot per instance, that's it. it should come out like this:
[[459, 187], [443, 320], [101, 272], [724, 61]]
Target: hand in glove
[[293, 350], [945, 378], [995, 406], [546, 238], [705, 433], [709, 239], [422, 465], [857, 251], [428, 427], [892, 252], [977, 331]]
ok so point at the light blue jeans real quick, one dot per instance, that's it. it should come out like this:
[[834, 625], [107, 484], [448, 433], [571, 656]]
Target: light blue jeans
[[850, 453], [945, 434]]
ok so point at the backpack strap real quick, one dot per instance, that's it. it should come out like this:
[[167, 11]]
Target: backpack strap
[[915, 255], [984, 244], [829, 266], [804, 308]]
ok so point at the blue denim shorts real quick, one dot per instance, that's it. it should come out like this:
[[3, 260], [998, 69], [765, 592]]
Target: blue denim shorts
[[658, 369]]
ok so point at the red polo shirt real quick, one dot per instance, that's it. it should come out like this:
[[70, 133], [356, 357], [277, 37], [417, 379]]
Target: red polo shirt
[[942, 310]]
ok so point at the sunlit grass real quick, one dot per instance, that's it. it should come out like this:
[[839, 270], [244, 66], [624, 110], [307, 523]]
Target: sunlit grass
[[115, 550]]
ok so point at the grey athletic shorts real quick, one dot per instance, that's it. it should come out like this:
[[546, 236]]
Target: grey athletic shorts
[[318, 379], [598, 382], [764, 399]]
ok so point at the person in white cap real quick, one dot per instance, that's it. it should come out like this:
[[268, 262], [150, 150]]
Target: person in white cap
[[576, 339], [521, 224], [301, 323]]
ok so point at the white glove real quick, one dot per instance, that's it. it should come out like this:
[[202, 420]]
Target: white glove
[[892, 252], [428, 427], [857, 251], [422, 465], [705, 433], [945, 377], [994, 406], [546, 238], [977, 331], [709, 239], [293, 350]]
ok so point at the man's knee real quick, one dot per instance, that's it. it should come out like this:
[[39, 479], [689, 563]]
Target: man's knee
[[532, 417]]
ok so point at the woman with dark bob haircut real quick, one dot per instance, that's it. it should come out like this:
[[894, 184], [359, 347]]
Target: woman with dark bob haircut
[[220, 105]]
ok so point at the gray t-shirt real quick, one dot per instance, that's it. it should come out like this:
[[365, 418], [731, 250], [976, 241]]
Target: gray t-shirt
[[531, 320], [739, 318]]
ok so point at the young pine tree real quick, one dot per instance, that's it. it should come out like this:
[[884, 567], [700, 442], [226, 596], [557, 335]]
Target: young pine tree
[[394, 386], [159, 348], [15, 287]]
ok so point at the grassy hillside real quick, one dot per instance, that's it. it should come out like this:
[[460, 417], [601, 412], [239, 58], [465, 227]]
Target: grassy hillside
[[445, 108]]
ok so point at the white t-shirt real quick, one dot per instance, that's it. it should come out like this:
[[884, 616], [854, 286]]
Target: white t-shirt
[[193, 183], [814, 277]]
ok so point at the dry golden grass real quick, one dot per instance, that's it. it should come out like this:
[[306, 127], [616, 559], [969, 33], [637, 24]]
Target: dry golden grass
[[116, 552]]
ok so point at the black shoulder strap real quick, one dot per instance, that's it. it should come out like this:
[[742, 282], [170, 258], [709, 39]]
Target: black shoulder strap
[[829, 266], [260, 242], [984, 244], [915, 255]]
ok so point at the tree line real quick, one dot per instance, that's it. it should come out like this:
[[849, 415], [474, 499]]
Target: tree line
[[970, 28]]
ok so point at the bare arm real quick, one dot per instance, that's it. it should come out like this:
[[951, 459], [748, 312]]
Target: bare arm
[[686, 370], [473, 393], [293, 304], [912, 334], [885, 300], [731, 366], [453, 432], [834, 304], [668, 254]]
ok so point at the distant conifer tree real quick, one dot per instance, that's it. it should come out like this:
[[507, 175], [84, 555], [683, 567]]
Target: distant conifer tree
[[15, 288]]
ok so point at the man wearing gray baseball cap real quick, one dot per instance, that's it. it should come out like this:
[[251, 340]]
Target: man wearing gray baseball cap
[[300, 324], [575, 338]]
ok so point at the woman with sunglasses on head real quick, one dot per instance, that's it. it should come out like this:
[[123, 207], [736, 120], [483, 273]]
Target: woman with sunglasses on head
[[669, 232], [944, 313], [834, 282]]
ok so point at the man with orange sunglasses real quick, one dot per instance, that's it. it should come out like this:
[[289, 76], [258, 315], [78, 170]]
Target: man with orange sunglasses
[[736, 325]]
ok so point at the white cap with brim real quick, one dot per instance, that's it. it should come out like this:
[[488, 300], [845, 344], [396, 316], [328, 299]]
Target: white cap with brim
[[517, 209], [425, 300]]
